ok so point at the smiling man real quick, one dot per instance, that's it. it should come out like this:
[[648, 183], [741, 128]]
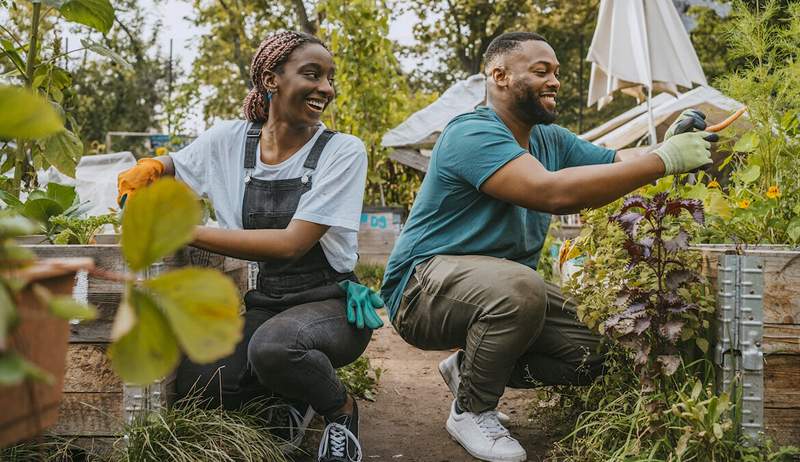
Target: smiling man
[[463, 271]]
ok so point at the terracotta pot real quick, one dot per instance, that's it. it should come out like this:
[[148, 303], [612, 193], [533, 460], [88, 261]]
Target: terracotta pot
[[32, 406]]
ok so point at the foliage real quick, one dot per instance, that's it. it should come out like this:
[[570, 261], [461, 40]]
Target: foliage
[[360, 378], [81, 231], [14, 368], [659, 314], [111, 96], [761, 205], [42, 74], [369, 274], [194, 310], [43, 204]]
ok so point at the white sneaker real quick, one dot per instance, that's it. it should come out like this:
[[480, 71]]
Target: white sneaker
[[450, 370], [483, 436]]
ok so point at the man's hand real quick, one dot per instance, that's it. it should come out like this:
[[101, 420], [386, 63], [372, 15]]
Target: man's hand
[[361, 305], [685, 152], [142, 174], [689, 120]]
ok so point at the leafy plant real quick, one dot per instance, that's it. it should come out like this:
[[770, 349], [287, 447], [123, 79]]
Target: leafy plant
[[360, 378], [81, 231], [43, 205], [654, 316], [60, 147], [191, 309]]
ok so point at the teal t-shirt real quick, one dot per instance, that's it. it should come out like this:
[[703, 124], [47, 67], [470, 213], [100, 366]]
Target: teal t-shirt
[[451, 216]]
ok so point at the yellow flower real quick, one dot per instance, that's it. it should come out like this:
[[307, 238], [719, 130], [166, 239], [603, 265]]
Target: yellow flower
[[161, 150], [744, 203], [713, 184], [773, 192]]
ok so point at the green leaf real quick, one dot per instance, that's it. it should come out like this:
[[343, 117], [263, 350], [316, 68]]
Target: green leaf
[[14, 369], [97, 14], [793, 230], [158, 220], [24, 115], [10, 200], [66, 307], [749, 174], [63, 150], [15, 226], [747, 143], [702, 344], [108, 53], [64, 195], [202, 306], [718, 205], [41, 210], [148, 351]]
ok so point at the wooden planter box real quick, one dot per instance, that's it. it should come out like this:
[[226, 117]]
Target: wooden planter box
[[31, 407], [379, 229], [762, 341], [96, 403]]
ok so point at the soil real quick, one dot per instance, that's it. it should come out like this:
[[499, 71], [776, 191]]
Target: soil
[[406, 421]]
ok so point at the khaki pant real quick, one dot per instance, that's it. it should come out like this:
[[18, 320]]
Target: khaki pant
[[513, 331]]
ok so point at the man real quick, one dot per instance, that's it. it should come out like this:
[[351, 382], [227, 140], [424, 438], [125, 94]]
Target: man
[[463, 271]]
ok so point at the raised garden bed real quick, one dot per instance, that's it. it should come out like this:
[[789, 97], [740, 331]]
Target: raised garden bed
[[758, 338], [96, 402]]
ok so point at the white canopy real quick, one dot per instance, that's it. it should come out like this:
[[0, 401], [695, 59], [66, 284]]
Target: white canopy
[[458, 99], [631, 126]]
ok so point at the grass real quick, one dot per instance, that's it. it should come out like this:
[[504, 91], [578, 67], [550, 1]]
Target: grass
[[370, 274]]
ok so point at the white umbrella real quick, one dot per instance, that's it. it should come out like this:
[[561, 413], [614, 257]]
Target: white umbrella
[[640, 43]]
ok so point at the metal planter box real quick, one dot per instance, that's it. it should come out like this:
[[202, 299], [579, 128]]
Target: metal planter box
[[758, 334]]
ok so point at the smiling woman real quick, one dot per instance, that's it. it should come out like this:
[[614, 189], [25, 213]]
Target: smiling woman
[[288, 194]]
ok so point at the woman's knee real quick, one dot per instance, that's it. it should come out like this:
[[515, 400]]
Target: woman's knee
[[273, 349]]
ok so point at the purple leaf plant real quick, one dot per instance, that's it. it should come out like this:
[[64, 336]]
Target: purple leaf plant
[[653, 318]]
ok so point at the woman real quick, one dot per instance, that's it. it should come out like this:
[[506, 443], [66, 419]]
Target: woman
[[288, 193]]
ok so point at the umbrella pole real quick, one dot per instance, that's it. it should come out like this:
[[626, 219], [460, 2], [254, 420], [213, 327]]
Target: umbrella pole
[[651, 122]]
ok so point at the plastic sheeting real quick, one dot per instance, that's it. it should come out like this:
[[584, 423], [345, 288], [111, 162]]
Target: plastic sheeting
[[458, 99], [96, 180]]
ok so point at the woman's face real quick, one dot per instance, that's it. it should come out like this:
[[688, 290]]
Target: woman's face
[[305, 85]]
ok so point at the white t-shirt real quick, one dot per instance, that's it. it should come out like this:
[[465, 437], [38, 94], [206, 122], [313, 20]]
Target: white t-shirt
[[213, 166]]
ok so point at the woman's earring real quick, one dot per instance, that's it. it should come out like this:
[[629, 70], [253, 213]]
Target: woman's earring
[[268, 97]]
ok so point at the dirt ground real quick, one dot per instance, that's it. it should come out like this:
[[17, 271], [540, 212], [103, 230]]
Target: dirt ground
[[406, 421]]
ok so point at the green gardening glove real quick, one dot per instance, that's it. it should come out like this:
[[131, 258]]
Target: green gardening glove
[[689, 120], [685, 152], [361, 305]]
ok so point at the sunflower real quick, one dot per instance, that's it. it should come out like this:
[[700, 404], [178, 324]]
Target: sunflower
[[744, 203], [773, 192], [713, 184]]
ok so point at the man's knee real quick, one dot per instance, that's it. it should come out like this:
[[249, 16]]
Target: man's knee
[[522, 296]]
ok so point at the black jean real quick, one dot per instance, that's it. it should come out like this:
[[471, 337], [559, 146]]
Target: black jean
[[291, 353]]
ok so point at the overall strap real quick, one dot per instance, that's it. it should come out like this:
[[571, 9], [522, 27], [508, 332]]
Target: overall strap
[[316, 150], [251, 145]]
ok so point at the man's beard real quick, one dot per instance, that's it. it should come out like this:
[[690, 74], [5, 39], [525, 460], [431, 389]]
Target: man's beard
[[530, 107]]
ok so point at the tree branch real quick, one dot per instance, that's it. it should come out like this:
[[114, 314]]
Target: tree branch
[[237, 44], [302, 17]]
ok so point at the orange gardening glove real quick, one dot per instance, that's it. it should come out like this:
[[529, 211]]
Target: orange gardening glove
[[142, 174]]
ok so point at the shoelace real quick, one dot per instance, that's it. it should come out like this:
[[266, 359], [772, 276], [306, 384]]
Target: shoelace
[[293, 420], [490, 426], [335, 439]]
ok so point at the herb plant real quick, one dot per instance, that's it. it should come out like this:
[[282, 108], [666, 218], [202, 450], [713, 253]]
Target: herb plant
[[653, 317], [81, 231]]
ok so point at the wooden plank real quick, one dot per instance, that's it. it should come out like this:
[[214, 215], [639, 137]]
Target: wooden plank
[[781, 377], [89, 414], [89, 370], [410, 157], [782, 339], [783, 425], [97, 330]]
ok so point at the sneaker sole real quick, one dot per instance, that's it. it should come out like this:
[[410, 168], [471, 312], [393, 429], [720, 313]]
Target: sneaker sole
[[454, 434]]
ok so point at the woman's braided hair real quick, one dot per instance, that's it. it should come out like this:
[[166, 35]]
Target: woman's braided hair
[[273, 52]]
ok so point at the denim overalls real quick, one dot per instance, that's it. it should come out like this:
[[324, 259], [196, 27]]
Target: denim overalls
[[295, 330]]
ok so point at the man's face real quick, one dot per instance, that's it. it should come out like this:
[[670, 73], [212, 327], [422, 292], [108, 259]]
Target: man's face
[[534, 84]]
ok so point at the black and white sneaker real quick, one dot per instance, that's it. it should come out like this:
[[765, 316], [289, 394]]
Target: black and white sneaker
[[289, 423], [340, 439]]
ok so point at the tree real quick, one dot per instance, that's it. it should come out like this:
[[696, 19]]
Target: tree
[[110, 96]]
